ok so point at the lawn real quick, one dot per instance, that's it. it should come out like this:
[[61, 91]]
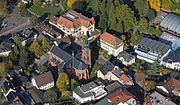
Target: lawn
[[43, 11]]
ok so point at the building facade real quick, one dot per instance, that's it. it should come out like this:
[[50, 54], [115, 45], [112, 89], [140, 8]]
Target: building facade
[[151, 50], [78, 67], [126, 58], [44, 81], [89, 92], [111, 44], [76, 24]]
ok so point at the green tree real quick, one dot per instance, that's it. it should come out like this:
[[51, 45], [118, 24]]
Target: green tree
[[110, 13], [151, 14], [50, 95], [3, 70], [45, 45], [143, 24], [4, 8], [123, 19], [153, 70], [36, 49], [166, 4], [42, 68], [33, 20], [24, 57], [62, 82], [37, 2], [10, 65], [94, 5], [74, 84]]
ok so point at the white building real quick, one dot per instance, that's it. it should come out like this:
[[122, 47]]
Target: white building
[[111, 44], [89, 92], [126, 58], [151, 50], [172, 61], [43, 81]]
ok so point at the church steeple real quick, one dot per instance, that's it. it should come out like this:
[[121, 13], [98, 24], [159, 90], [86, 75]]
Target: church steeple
[[86, 53], [86, 46]]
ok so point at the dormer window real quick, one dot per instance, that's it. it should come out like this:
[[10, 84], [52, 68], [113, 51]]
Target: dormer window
[[117, 99]]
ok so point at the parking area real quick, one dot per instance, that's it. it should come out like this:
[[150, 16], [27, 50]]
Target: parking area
[[14, 23]]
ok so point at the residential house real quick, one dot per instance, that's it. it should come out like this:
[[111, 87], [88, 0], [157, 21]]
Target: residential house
[[76, 24], [126, 58], [151, 50], [122, 97], [156, 98], [89, 92], [53, 20], [36, 94], [111, 44], [169, 86], [64, 42], [49, 30], [43, 81], [104, 101], [172, 61], [76, 66], [114, 73], [113, 87], [170, 39], [171, 23], [5, 48], [9, 92], [7, 87]]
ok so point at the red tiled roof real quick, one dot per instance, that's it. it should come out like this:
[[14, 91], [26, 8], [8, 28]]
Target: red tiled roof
[[77, 21], [125, 78], [111, 39], [44, 79], [172, 84], [41, 37], [120, 96]]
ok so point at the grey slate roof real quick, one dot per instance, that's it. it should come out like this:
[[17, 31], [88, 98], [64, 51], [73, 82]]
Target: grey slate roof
[[157, 99], [113, 87], [169, 38], [153, 45], [173, 57], [84, 88], [6, 46], [69, 60], [127, 56], [171, 22], [104, 101], [107, 67]]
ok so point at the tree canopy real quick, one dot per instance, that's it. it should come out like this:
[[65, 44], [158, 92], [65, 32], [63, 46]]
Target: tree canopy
[[3, 69], [62, 82], [123, 19], [50, 95]]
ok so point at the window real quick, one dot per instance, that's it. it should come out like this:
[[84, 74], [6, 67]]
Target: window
[[84, 58], [117, 99], [82, 74], [79, 74], [88, 58]]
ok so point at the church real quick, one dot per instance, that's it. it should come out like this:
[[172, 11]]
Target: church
[[77, 65]]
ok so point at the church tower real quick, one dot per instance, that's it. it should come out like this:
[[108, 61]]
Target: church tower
[[86, 53]]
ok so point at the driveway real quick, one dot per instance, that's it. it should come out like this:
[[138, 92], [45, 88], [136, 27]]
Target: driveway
[[14, 23]]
